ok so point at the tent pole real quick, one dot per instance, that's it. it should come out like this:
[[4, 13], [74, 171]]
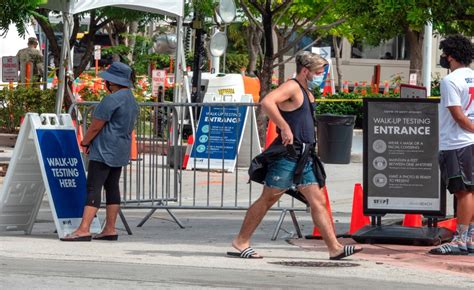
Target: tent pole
[[427, 52], [177, 68], [63, 63], [177, 126]]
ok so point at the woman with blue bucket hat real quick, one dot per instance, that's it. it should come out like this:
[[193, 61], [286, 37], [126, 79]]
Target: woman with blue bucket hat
[[108, 143]]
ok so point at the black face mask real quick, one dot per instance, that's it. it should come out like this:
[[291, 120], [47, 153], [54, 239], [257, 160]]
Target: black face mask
[[443, 62], [107, 86]]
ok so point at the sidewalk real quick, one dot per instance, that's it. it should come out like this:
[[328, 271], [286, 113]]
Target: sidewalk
[[198, 252], [205, 240]]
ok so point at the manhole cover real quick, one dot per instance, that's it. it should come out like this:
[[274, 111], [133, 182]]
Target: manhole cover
[[315, 264]]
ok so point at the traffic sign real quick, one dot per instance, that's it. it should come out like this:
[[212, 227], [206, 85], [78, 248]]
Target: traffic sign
[[97, 52], [324, 52], [158, 79], [9, 69]]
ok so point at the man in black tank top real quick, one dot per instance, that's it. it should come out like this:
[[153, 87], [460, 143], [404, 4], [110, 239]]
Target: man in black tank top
[[289, 107]]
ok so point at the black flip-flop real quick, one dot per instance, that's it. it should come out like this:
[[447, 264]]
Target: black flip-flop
[[106, 237], [76, 238], [449, 250], [348, 251], [245, 254]]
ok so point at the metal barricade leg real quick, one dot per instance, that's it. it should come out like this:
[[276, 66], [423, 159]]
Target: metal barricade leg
[[295, 223], [278, 226], [175, 219], [148, 216], [152, 211], [125, 223]]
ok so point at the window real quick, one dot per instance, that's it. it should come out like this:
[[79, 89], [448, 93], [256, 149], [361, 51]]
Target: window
[[395, 48], [307, 40]]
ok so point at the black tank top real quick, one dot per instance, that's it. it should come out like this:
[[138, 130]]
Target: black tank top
[[301, 120]]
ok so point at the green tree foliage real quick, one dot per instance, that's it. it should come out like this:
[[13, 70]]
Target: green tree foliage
[[347, 104], [17, 12], [235, 62], [288, 18], [455, 16], [375, 21], [18, 101], [21, 13]]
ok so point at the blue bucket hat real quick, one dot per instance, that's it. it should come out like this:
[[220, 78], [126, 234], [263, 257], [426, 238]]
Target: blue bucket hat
[[118, 73]]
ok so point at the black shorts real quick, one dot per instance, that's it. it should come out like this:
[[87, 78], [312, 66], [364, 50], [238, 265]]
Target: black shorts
[[457, 169]]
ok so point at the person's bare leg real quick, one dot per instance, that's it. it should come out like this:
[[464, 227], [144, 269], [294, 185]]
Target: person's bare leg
[[465, 207], [471, 226], [87, 218], [317, 202], [472, 207], [254, 216], [111, 212], [472, 218]]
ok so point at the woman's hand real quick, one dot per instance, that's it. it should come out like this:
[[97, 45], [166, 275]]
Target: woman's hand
[[86, 148]]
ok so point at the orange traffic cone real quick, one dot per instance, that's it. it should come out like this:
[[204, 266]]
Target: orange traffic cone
[[345, 87], [316, 234], [134, 149], [327, 86], [356, 88], [55, 81], [28, 74], [188, 151], [374, 88], [358, 219], [271, 133], [396, 90], [449, 224], [386, 89], [97, 86], [79, 135], [412, 220], [364, 88]]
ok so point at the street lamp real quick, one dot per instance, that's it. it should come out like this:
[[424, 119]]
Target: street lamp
[[166, 44], [225, 12]]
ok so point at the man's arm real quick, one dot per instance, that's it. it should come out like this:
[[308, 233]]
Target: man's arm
[[39, 61], [461, 119], [270, 108], [92, 131]]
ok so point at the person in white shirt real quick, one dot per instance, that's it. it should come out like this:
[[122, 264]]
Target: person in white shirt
[[456, 142]]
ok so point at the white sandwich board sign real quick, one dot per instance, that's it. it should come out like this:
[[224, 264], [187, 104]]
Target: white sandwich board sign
[[46, 158], [222, 129]]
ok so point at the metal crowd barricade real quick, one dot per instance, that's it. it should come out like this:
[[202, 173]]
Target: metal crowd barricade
[[156, 179]]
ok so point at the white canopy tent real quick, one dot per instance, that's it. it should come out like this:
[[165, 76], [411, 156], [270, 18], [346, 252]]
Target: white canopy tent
[[172, 8]]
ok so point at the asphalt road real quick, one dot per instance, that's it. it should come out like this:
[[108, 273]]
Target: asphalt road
[[59, 274]]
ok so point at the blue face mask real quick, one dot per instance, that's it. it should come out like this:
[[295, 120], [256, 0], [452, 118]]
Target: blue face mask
[[315, 82]]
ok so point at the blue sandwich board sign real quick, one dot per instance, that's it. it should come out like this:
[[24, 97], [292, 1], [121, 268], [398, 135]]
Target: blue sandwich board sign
[[220, 133], [46, 158]]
